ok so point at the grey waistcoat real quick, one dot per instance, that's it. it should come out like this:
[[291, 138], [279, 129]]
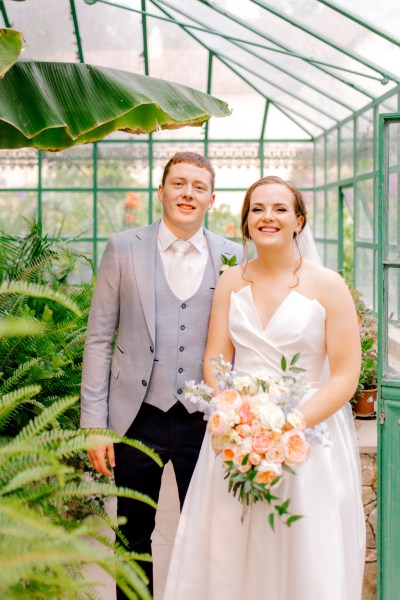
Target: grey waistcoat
[[181, 335]]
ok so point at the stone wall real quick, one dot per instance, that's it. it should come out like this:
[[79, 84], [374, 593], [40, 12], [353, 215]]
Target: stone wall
[[368, 475]]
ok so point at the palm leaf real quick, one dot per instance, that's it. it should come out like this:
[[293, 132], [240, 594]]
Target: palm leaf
[[11, 44], [53, 106]]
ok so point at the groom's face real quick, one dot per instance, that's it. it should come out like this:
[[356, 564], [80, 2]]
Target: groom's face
[[186, 196]]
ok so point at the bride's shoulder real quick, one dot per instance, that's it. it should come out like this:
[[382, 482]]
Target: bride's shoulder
[[233, 279], [326, 283]]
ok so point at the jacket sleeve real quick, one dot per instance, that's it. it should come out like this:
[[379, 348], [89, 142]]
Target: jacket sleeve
[[102, 325]]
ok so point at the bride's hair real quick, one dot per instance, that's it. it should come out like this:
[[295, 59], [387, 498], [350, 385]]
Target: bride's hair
[[299, 209], [299, 204]]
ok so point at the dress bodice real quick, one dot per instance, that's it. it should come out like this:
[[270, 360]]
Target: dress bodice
[[298, 325]]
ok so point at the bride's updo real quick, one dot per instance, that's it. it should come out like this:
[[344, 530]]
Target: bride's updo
[[299, 204]]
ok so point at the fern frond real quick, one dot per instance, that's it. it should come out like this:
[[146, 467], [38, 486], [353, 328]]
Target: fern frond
[[39, 291], [20, 327], [18, 373], [104, 489], [9, 402], [44, 419]]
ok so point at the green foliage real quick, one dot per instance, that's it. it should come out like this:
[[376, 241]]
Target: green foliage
[[43, 546], [35, 296], [42, 550], [368, 326]]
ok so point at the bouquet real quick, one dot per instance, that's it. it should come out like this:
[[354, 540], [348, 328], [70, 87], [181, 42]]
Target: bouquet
[[255, 424]]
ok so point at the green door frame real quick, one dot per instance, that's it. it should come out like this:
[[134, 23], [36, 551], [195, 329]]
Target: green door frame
[[388, 542]]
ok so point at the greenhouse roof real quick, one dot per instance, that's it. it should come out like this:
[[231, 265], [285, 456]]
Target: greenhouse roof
[[289, 68]]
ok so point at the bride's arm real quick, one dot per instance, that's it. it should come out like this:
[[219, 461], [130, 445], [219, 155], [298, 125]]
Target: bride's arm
[[344, 352], [218, 340]]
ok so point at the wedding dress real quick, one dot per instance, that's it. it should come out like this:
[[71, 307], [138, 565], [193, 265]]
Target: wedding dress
[[321, 556]]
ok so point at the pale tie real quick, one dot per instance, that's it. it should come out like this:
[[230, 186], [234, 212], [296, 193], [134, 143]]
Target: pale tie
[[178, 272]]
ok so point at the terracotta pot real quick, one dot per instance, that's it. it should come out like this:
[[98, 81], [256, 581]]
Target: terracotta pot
[[364, 404]]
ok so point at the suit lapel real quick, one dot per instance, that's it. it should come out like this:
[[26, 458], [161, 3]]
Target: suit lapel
[[144, 248]]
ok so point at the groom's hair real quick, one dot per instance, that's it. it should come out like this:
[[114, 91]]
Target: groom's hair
[[299, 204], [192, 158]]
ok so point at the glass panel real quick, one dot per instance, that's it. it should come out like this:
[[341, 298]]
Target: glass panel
[[173, 53], [331, 156], [14, 206], [72, 168], [348, 236], [365, 210], [111, 37], [393, 133], [392, 247], [122, 165], [247, 106], [280, 126], [19, 168], [331, 256], [224, 218], [393, 326], [47, 27], [364, 143], [387, 18], [364, 268], [121, 210], [390, 105], [67, 214], [320, 161], [346, 165], [319, 214], [332, 210]]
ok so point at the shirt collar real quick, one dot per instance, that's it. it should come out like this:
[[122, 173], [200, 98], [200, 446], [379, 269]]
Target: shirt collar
[[167, 238]]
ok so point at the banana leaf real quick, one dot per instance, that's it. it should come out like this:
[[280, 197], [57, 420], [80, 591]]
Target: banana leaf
[[11, 44], [54, 105]]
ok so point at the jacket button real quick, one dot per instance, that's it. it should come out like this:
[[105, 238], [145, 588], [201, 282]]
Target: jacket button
[[151, 349], [181, 348], [183, 328], [144, 382], [180, 370], [183, 305], [179, 391]]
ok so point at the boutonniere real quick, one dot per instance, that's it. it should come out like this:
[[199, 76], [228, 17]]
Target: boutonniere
[[227, 262]]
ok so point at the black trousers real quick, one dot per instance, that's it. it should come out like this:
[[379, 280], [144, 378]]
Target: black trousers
[[177, 436]]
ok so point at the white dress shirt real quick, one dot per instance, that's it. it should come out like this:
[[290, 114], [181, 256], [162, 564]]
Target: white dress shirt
[[195, 258]]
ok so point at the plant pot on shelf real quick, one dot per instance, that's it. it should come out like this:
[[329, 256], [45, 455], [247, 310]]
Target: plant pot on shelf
[[364, 403]]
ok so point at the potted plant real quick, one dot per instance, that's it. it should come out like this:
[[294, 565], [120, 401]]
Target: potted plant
[[364, 401]]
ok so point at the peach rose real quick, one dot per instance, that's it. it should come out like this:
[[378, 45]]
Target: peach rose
[[218, 423], [254, 458], [239, 458], [295, 446], [263, 441], [267, 472], [243, 430], [245, 413], [275, 453], [256, 427], [228, 454], [228, 400]]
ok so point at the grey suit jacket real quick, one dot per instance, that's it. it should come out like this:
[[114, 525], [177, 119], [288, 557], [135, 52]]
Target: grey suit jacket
[[115, 376]]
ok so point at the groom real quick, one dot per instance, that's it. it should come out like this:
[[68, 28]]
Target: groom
[[146, 336]]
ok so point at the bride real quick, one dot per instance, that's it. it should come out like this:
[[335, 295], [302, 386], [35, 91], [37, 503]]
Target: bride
[[279, 303]]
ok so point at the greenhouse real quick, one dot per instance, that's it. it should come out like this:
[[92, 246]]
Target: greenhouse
[[313, 90]]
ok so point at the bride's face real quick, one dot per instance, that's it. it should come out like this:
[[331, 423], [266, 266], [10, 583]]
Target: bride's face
[[272, 218]]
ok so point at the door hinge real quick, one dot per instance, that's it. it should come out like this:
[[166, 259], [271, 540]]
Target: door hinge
[[382, 418]]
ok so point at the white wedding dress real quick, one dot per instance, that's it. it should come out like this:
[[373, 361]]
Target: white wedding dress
[[321, 556]]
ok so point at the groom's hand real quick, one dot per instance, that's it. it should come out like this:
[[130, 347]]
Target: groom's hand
[[97, 457]]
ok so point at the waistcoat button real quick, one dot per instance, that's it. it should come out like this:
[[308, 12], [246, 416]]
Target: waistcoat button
[[183, 328], [180, 370], [183, 305], [179, 391], [181, 348]]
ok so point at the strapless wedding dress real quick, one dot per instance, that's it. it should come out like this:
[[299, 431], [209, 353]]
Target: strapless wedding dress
[[321, 556]]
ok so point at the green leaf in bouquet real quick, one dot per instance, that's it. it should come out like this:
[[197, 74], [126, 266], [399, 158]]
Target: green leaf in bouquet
[[245, 459], [297, 370], [282, 508], [295, 359], [292, 519], [283, 363], [271, 520]]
